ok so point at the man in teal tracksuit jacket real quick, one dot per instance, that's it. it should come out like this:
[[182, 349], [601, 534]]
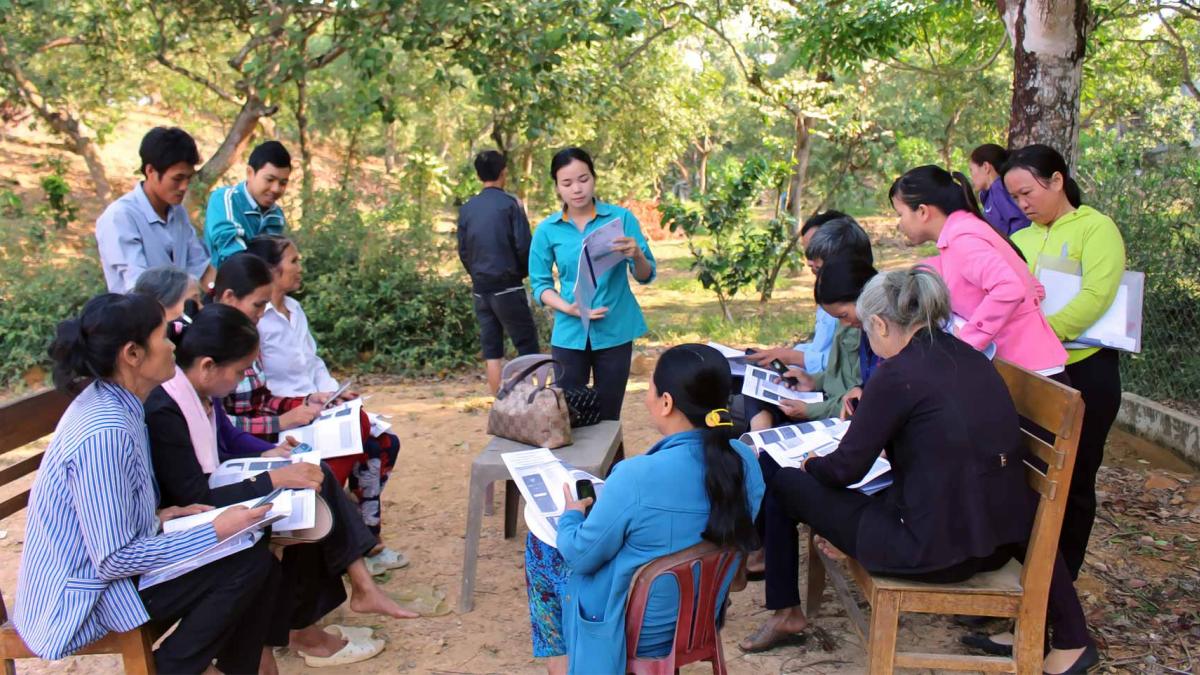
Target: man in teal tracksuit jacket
[[238, 213]]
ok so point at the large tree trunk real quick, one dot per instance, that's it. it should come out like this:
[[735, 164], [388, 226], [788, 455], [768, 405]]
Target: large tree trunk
[[60, 121], [233, 146], [301, 114], [801, 155], [1049, 37], [702, 171]]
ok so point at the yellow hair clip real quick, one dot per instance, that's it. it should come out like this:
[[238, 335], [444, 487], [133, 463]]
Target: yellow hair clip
[[715, 419]]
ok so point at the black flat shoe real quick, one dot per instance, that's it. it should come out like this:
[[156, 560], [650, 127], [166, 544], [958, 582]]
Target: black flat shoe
[[756, 576], [986, 644], [1090, 658], [975, 622]]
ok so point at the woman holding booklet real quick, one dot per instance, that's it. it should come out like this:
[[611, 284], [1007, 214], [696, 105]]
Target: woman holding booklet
[[93, 529], [959, 503], [1039, 180], [189, 436], [696, 484], [593, 336]]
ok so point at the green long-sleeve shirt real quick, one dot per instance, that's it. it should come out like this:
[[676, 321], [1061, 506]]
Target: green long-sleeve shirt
[[1092, 239], [842, 373]]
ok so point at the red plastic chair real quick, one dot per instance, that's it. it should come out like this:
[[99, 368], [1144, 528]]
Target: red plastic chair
[[696, 635]]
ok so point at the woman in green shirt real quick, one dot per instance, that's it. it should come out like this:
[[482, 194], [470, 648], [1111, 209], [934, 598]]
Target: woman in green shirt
[[1040, 182]]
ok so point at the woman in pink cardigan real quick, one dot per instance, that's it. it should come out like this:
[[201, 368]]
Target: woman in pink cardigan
[[991, 288]]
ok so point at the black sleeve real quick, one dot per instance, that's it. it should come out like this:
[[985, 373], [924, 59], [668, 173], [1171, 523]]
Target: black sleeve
[[181, 480], [881, 413], [462, 240], [521, 236]]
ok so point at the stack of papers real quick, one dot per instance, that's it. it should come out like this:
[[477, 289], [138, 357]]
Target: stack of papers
[[540, 477]]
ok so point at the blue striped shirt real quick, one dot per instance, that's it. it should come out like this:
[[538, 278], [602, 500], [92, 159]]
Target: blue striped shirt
[[92, 527]]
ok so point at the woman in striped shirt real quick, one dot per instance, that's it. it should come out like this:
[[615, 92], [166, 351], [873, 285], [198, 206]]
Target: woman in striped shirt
[[92, 529]]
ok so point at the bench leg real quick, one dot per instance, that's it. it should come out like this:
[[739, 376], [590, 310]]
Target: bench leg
[[1029, 634], [466, 596], [137, 651], [9, 667], [816, 578], [512, 503], [885, 621]]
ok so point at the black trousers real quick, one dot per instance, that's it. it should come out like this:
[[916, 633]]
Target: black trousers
[[505, 312], [1098, 379], [607, 368], [311, 584], [795, 497], [223, 611]]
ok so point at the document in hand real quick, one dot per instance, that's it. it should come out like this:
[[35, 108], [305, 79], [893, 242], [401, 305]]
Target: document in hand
[[596, 256], [767, 385], [539, 476], [791, 450], [336, 433], [736, 358], [303, 509], [1119, 328], [240, 541]]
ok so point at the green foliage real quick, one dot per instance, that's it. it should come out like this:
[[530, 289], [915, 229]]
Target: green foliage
[[11, 205], [1153, 199], [373, 295], [730, 250], [58, 209]]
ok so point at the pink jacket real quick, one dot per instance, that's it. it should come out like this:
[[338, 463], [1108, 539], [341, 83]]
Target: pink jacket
[[991, 287]]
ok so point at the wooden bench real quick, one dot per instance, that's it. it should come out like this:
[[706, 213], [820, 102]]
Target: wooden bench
[[1015, 591], [21, 422]]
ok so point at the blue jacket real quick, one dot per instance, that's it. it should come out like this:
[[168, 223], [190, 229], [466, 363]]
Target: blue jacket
[[234, 218], [651, 506]]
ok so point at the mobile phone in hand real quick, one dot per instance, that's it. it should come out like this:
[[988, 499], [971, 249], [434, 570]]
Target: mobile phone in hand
[[583, 490], [781, 368], [268, 499], [852, 403]]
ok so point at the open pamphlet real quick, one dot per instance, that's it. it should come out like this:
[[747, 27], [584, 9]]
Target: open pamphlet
[[240, 541], [736, 358], [539, 476], [336, 433], [767, 385], [789, 447], [596, 256], [1119, 328], [302, 509]]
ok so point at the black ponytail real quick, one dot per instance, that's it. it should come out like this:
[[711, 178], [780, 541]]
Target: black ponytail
[[1043, 162], [87, 347], [697, 377], [934, 186], [219, 332], [243, 273], [990, 153]]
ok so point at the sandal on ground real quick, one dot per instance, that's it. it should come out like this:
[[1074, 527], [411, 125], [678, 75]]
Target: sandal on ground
[[360, 633], [354, 651], [766, 638], [385, 560], [986, 644]]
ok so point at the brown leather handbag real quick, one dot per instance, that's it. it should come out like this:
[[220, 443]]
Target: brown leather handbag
[[528, 409]]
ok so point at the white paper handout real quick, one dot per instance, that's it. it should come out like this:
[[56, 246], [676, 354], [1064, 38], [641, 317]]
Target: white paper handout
[[767, 385], [539, 476], [736, 358], [792, 451], [242, 540], [303, 509], [596, 256], [1119, 328], [336, 433], [757, 439]]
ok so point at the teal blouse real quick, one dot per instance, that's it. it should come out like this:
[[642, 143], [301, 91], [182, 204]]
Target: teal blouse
[[556, 244]]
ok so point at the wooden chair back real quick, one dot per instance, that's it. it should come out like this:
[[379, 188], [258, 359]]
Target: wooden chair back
[[697, 636], [23, 421]]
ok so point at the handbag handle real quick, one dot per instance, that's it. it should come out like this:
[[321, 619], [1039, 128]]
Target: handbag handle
[[512, 381]]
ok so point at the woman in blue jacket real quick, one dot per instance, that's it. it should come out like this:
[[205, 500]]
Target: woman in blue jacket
[[604, 347], [695, 484]]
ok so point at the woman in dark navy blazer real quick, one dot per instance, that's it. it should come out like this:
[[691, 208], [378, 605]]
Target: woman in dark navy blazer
[[959, 504]]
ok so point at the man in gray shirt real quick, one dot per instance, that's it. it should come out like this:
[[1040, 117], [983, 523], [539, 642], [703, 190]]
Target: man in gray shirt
[[493, 244], [149, 227]]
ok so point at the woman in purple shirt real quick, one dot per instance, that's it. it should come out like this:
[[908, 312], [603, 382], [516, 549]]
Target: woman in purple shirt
[[998, 207]]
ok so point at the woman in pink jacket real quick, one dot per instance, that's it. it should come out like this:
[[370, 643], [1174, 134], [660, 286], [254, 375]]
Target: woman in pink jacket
[[990, 284]]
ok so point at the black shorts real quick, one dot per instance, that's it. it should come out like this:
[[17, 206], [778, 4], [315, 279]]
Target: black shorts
[[505, 312]]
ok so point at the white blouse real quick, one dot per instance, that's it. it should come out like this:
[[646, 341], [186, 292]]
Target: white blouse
[[289, 353]]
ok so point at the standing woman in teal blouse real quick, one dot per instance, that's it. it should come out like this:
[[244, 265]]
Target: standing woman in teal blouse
[[604, 349]]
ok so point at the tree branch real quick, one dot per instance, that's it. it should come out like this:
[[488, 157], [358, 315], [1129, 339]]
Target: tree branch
[[61, 42], [198, 79]]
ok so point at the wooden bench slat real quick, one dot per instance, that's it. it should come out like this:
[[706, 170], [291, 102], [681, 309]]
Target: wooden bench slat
[[1004, 581], [987, 664], [31, 417], [1041, 400], [13, 504], [1042, 450], [21, 468], [1038, 481]]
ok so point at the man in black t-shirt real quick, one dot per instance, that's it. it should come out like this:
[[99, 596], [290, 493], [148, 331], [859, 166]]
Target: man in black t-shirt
[[493, 244]]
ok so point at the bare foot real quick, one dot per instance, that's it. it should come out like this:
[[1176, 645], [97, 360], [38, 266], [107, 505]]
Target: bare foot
[[375, 601], [828, 549], [756, 561], [780, 628], [315, 642], [266, 663]]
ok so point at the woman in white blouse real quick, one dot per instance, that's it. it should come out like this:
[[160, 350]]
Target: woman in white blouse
[[293, 368]]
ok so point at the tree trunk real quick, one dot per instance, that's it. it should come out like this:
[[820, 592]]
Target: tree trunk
[[801, 154], [702, 170], [233, 146], [1049, 39], [525, 179], [306, 174], [389, 147], [61, 121]]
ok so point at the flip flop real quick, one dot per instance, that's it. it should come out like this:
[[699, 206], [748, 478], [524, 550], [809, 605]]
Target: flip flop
[[385, 560], [354, 651], [766, 638], [360, 633]]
